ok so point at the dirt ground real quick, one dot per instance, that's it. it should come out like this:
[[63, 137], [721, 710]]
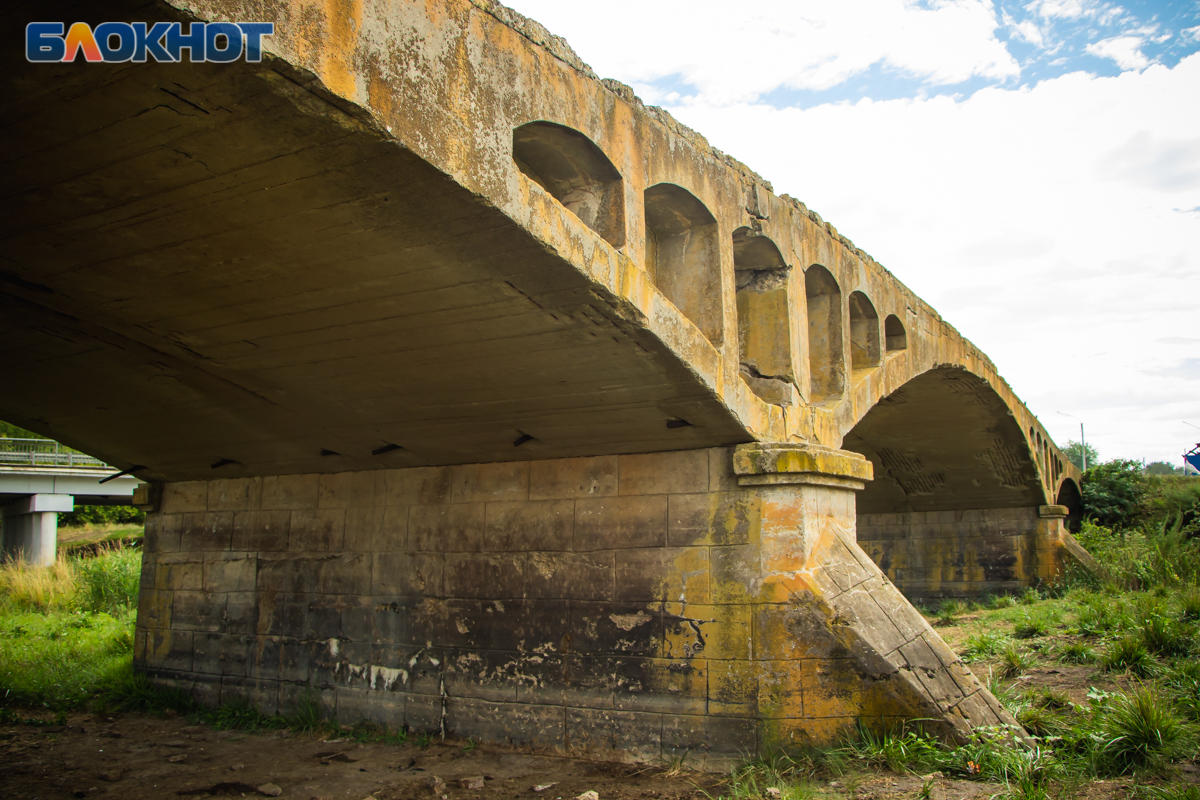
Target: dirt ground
[[139, 756]]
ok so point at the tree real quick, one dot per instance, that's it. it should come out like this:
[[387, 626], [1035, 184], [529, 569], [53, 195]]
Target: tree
[[1074, 452], [10, 431], [1162, 468], [1114, 493]]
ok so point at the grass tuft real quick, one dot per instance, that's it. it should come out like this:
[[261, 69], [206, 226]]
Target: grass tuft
[[1141, 729], [1129, 654], [1014, 661], [1077, 653], [1165, 636]]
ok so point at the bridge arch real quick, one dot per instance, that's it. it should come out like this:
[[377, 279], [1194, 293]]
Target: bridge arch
[[953, 509], [577, 173], [683, 256], [826, 363], [864, 332], [765, 336], [1070, 496], [895, 337]]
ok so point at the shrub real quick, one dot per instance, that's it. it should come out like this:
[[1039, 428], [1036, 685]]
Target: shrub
[[1003, 601], [1030, 596], [1141, 729], [103, 515], [1113, 493], [1128, 654], [108, 582]]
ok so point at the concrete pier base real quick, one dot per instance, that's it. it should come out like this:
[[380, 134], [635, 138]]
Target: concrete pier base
[[30, 527], [705, 604]]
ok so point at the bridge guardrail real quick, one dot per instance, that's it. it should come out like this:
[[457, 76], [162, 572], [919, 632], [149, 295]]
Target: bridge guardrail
[[45, 453]]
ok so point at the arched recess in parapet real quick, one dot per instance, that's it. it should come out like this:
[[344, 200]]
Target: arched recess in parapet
[[764, 321], [953, 509], [683, 256], [576, 172], [825, 362], [894, 335], [864, 332], [1070, 496]]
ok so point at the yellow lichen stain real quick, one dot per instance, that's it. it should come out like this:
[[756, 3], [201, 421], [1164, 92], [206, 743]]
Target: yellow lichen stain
[[343, 21]]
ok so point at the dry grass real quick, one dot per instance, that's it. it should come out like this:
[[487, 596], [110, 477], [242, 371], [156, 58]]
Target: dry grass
[[28, 588]]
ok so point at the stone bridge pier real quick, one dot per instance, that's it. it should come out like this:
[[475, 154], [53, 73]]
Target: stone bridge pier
[[702, 604]]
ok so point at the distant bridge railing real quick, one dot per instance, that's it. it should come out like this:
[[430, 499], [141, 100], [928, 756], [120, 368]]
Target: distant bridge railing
[[44, 453]]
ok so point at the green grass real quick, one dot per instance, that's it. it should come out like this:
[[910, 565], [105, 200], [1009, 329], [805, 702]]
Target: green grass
[[1129, 654], [1077, 653], [1142, 729], [63, 659], [68, 628]]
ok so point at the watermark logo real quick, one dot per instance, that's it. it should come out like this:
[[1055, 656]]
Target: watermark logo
[[120, 42]]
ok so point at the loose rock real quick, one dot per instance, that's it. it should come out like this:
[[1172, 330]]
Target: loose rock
[[177, 759], [270, 790], [473, 782], [588, 796]]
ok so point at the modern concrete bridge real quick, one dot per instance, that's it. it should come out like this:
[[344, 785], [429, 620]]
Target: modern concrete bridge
[[483, 398], [39, 479]]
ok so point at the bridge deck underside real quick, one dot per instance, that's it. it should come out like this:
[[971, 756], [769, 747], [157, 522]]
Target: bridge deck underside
[[208, 264]]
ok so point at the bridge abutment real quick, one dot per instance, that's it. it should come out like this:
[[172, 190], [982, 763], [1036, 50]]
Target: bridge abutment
[[707, 603]]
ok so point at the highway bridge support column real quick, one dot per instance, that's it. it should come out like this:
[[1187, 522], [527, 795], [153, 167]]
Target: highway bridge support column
[[30, 527]]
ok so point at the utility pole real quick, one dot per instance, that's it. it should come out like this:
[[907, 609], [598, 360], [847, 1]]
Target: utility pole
[[1082, 441]]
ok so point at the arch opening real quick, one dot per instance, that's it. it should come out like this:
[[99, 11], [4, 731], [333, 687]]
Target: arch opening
[[953, 510], [764, 324], [569, 166], [894, 335], [826, 364], [864, 332], [683, 256], [1070, 496]]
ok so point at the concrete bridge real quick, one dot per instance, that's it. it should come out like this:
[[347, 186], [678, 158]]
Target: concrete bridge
[[480, 397], [40, 479]]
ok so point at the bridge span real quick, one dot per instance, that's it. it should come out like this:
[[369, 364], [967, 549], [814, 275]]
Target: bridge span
[[477, 396], [40, 479]]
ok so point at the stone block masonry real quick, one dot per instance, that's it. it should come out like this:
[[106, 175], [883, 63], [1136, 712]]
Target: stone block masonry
[[932, 555], [704, 603]]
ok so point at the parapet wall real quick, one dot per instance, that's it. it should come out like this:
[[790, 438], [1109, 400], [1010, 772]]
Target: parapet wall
[[627, 607]]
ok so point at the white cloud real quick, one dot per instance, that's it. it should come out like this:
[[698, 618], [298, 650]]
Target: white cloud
[[1026, 30], [736, 54], [1165, 165], [1038, 221], [1064, 9], [1126, 51]]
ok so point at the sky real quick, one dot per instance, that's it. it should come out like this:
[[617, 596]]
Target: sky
[[1030, 169]]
